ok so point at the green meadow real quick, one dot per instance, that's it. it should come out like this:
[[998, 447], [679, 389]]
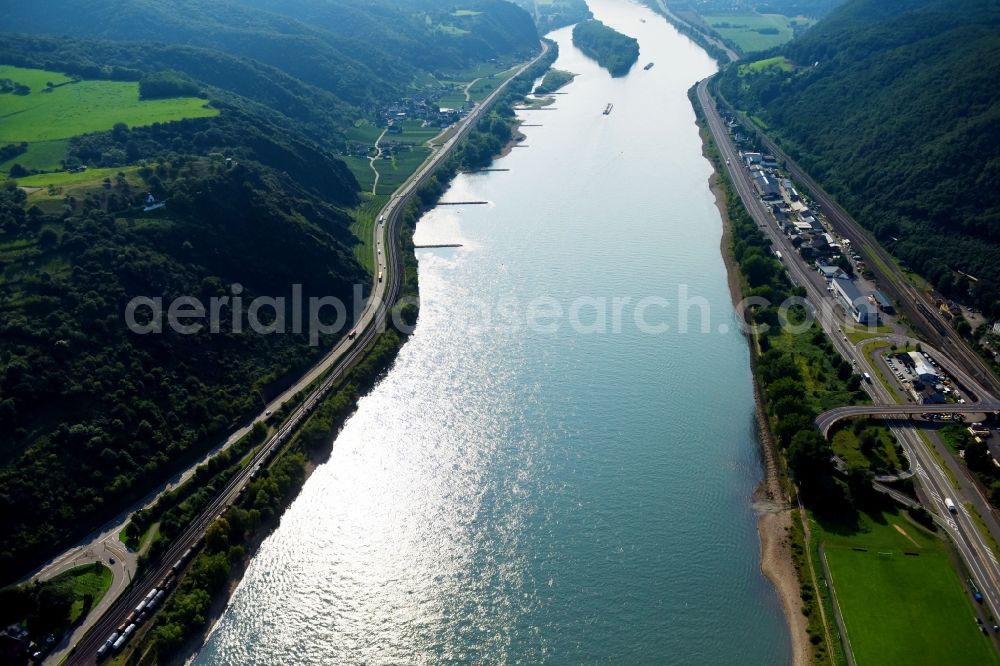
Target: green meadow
[[777, 62], [392, 173], [47, 116], [756, 32]]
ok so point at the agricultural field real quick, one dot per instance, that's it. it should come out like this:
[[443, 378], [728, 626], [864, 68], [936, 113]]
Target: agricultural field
[[53, 188], [414, 133], [395, 171], [363, 132], [66, 178], [455, 99], [361, 168], [484, 79], [363, 227], [757, 32], [41, 156], [52, 196], [482, 88], [901, 600], [48, 115]]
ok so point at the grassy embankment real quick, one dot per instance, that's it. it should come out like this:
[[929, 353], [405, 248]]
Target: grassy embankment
[[47, 116], [363, 228]]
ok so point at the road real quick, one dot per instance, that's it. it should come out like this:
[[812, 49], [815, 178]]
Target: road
[[828, 419], [935, 485], [373, 320]]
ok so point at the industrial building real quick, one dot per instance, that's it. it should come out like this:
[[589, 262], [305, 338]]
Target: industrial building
[[830, 273], [883, 302], [767, 188], [923, 369], [854, 302]]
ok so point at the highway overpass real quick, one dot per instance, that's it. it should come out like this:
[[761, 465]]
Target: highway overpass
[[828, 419]]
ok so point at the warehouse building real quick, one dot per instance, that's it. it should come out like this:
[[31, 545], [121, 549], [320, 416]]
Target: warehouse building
[[923, 369], [854, 302], [883, 302], [767, 188]]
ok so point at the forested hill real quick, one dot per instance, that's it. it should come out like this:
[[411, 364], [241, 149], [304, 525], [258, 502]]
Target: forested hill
[[895, 108], [248, 189], [261, 89], [555, 14], [359, 50]]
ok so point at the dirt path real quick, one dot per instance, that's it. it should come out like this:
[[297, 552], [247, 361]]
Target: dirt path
[[378, 154], [468, 86], [807, 537], [908, 537]]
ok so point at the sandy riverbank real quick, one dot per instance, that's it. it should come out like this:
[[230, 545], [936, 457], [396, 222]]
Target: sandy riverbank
[[770, 502]]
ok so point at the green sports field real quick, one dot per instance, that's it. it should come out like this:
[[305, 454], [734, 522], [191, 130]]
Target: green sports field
[[902, 608]]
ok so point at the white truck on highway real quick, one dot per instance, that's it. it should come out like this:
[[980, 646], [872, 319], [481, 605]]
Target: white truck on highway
[[950, 505]]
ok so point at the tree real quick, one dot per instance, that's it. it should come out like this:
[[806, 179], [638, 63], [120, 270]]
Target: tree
[[217, 535], [119, 132], [788, 427], [51, 614], [758, 270], [809, 455], [845, 264], [48, 237], [869, 440]]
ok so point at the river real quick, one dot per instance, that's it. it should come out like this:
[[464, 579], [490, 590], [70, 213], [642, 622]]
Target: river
[[525, 486]]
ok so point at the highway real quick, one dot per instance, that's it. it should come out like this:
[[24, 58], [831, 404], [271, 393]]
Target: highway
[[373, 321], [935, 485]]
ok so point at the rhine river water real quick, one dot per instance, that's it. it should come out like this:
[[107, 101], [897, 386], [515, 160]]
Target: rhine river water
[[562, 491]]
